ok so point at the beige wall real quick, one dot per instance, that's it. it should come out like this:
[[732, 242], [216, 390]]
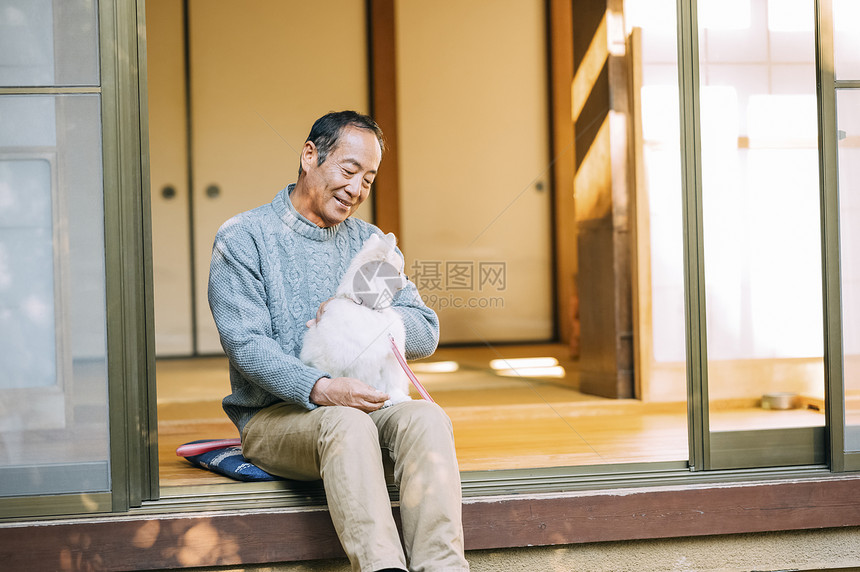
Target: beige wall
[[259, 76], [473, 144], [473, 126]]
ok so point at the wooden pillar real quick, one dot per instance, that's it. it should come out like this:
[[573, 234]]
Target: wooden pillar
[[383, 108], [599, 103], [561, 73]]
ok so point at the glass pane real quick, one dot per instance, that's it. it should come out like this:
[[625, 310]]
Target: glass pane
[[846, 39], [48, 42], [848, 122], [657, 193], [761, 217], [53, 386]]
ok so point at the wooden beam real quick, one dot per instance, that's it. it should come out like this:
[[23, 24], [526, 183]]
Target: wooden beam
[[599, 100], [230, 538], [640, 225], [561, 79], [665, 513], [383, 104]]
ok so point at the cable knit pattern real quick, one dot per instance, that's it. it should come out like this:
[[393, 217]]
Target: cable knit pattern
[[271, 269]]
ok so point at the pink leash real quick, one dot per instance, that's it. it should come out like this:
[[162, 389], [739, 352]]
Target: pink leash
[[409, 373]]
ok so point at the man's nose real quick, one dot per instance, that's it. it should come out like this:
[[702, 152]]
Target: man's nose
[[354, 187]]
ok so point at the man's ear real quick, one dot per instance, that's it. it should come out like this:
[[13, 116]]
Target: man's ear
[[309, 156]]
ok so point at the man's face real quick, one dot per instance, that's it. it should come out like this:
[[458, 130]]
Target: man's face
[[339, 186]]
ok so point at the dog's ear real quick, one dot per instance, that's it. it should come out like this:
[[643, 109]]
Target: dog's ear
[[372, 239], [391, 239]]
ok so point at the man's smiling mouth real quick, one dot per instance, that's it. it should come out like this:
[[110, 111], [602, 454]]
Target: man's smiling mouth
[[344, 203]]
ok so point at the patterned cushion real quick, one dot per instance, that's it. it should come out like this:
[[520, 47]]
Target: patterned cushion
[[228, 461]]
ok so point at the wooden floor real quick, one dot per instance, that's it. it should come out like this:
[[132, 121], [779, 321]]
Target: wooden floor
[[499, 422]]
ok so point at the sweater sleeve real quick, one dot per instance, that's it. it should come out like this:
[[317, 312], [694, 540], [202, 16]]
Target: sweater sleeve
[[237, 297], [419, 321]]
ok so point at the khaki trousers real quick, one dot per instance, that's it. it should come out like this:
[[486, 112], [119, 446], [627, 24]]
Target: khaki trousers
[[342, 446]]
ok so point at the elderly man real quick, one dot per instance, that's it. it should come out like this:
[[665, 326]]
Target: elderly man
[[271, 269]]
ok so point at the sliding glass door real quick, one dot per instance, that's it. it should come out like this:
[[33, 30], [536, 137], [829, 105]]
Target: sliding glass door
[[73, 371], [762, 233], [53, 389], [846, 60]]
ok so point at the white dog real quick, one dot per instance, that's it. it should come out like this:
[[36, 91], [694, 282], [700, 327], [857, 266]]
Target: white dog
[[350, 336]]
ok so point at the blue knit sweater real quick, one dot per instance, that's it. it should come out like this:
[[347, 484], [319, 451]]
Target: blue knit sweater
[[271, 268]]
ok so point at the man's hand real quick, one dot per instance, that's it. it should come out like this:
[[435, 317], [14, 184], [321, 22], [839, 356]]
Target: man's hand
[[349, 392]]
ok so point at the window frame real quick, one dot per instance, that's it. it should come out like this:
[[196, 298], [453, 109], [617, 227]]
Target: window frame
[[699, 468], [840, 459], [704, 464], [131, 351], [711, 450], [127, 280]]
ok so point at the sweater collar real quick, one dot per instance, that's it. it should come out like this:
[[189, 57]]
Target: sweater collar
[[296, 221]]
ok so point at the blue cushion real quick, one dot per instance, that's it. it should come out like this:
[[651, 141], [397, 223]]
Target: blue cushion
[[228, 461]]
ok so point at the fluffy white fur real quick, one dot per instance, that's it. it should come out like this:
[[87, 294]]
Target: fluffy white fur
[[350, 337]]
